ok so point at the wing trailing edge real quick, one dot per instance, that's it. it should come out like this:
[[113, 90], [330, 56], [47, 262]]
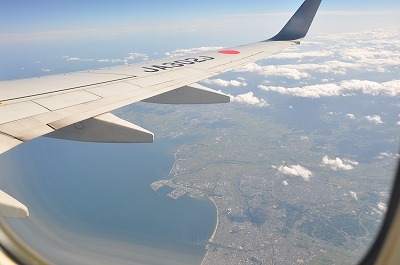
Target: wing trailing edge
[[298, 25], [190, 94], [10, 207], [105, 128]]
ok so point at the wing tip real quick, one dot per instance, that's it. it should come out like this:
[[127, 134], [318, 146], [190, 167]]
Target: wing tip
[[298, 25]]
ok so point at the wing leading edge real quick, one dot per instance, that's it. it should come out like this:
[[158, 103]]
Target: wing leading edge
[[76, 105]]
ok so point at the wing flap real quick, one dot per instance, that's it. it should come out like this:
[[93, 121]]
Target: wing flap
[[7, 142], [10, 207], [25, 129], [104, 128], [28, 88], [65, 100], [16, 111], [192, 94]]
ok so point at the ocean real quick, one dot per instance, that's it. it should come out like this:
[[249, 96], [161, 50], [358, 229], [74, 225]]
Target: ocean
[[103, 191]]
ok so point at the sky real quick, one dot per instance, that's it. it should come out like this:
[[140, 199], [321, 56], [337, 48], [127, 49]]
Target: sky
[[22, 17], [25, 16]]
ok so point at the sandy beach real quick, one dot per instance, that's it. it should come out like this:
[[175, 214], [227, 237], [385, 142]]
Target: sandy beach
[[215, 230]]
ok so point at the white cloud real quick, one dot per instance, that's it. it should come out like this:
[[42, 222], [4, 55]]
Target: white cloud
[[389, 88], [350, 116], [296, 170], [131, 56], [351, 162], [337, 163], [249, 99], [135, 55], [374, 118], [314, 91], [110, 60], [224, 83], [182, 52], [354, 195], [77, 59], [343, 88], [301, 55], [382, 207], [272, 70], [383, 155]]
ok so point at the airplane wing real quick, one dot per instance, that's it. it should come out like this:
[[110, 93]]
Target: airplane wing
[[76, 105]]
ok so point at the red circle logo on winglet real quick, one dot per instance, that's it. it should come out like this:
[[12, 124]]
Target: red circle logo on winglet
[[229, 52]]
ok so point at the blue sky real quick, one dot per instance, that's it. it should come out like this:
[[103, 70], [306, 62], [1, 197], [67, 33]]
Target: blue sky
[[37, 16]]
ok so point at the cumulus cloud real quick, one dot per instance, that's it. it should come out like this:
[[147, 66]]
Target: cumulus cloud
[[354, 195], [374, 118], [135, 55], [314, 91], [68, 58], [338, 163], [296, 170], [383, 155], [389, 88], [350, 116], [249, 99], [351, 162], [110, 60], [272, 70], [382, 207], [182, 52], [224, 83]]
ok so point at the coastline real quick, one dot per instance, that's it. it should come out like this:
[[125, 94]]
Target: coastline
[[215, 230]]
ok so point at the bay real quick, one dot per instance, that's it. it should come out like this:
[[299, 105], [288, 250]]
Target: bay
[[104, 190]]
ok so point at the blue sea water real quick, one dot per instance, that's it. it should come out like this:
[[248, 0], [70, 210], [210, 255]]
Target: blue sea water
[[104, 190]]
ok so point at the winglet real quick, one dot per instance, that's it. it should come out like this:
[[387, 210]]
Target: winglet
[[298, 25]]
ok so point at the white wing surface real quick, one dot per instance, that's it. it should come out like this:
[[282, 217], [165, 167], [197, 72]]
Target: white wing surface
[[76, 105]]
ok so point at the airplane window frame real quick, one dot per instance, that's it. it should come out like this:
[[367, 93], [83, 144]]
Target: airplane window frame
[[20, 253], [372, 255]]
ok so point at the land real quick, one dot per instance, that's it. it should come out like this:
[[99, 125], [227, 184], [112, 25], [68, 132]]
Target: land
[[232, 156]]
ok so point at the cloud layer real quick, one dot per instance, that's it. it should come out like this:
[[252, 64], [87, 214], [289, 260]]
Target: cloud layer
[[335, 67], [343, 88]]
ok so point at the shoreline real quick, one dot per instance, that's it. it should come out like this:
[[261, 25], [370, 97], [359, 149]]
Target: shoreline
[[215, 229]]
